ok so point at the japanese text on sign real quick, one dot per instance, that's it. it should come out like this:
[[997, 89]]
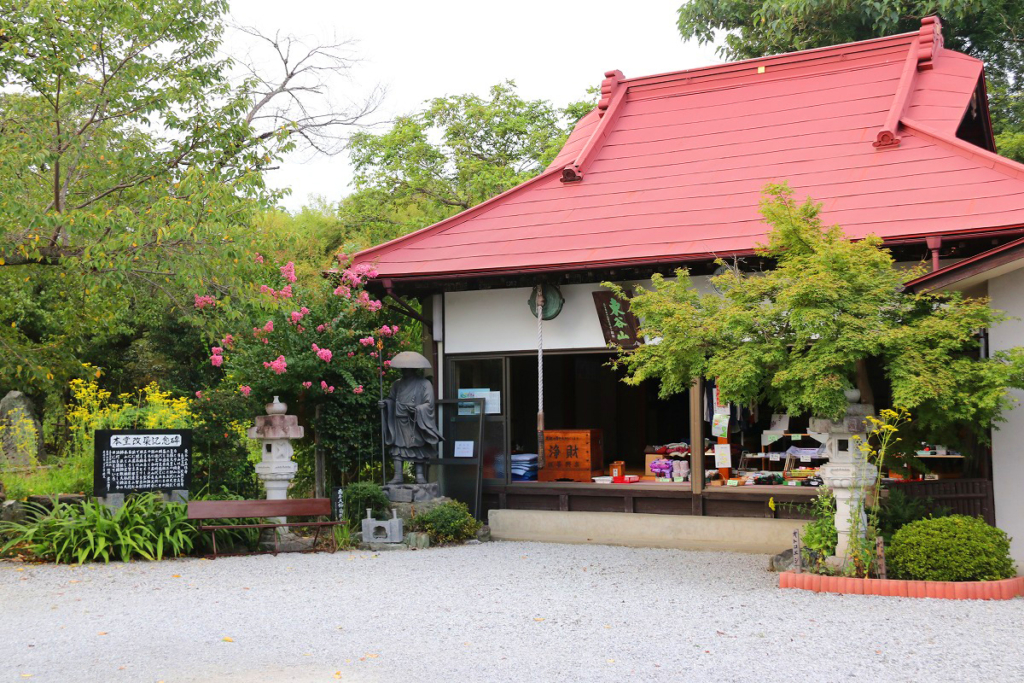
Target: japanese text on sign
[[143, 460]]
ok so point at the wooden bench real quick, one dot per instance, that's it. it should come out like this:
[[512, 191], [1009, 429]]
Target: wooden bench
[[204, 510]]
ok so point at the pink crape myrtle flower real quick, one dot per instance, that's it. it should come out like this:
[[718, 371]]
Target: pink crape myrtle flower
[[278, 365], [288, 272], [344, 291], [387, 364], [386, 331], [358, 390], [326, 389], [286, 292], [245, 389], [321, 328], [323, 354], [216, 360], [307, 384], [199, 394], [269, 327], [366, 341], [373, 354], [228, 340], [258, 259], [202, 302], [351, 353]]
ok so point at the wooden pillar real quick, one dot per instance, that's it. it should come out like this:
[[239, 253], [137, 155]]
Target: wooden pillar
[[697, 445]]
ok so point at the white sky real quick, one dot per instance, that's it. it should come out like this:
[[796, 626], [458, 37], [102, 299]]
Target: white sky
[[419, 50]]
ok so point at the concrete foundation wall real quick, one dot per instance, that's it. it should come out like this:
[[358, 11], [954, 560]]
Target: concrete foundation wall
[[733, 534], [1007, 293]]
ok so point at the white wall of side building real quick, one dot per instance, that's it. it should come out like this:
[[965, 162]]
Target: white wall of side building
[[1007, 294]]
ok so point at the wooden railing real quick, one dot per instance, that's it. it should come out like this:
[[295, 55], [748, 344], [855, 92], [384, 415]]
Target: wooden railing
[[972, 497]]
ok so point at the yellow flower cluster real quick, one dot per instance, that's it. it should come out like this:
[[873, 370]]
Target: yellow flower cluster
[[92, 408]]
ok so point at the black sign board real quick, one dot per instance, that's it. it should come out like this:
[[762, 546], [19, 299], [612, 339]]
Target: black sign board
[[338, 503], [619, 326], [129, 461]]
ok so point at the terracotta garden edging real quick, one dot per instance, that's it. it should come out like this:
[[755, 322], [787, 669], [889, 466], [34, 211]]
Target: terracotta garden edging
[[948, 590]]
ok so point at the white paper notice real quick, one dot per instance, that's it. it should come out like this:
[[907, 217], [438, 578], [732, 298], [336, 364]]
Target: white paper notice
[[780, 422], [723, 455], [463, 449], [720, 425], [492, 402]]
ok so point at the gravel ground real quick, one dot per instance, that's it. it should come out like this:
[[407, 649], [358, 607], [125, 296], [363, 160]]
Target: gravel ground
[[490, 612]]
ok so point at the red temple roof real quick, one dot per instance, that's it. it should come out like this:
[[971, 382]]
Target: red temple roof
[[670, 168]]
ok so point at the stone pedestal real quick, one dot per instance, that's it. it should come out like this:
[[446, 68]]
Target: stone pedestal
[[275, 431], [847, 474], [412, 493]]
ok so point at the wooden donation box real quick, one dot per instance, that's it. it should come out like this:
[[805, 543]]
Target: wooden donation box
[[571, 454]]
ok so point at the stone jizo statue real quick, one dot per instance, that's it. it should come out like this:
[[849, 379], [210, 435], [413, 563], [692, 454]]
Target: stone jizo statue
[[410, 424]]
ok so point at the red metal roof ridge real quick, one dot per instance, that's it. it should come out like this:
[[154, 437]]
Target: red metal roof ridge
[[608, 113], [920, 54], [953, 267], [428, 230], [1007, 166], [782, 58]]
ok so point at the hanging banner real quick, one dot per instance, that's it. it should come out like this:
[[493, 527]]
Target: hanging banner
[[720, 426], [619, 326]]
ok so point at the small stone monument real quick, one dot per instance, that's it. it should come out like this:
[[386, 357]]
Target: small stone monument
[[386, 531], [275, 431], [847, 473]]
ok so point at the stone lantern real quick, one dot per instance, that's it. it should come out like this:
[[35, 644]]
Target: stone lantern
[[275, 431], [847, 473]]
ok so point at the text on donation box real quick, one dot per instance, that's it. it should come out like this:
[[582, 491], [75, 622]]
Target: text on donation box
[[128, 461]]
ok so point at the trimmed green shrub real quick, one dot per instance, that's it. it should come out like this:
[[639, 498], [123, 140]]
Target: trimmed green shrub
[[144, 526], [954, 548], [362, 495], [447, 523]]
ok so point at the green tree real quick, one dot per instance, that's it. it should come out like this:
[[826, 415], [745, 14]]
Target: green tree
[[990, 31], [132, 168], [459, 151], [792, 336]]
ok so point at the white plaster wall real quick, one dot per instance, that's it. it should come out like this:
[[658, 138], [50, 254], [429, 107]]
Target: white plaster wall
[[498, 320], [1007, 293]]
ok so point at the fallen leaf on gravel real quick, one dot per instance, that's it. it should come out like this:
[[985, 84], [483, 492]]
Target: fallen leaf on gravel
[[175, 576], [20, 569], [27, 675], [337, 674], [611, 661], [372, 656], [102, 633], [607, 626], [74, 581], [538, 618], [228, 639]]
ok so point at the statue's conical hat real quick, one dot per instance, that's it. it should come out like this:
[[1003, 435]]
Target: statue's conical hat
[[410, 359]]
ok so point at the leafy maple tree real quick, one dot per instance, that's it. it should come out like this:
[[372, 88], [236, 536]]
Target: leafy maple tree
[[792, 336]]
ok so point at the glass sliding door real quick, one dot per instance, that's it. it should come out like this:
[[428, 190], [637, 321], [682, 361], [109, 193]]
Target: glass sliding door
[[486, 378]]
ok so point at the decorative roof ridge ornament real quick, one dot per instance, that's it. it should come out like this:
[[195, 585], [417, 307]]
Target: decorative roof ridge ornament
[[920, 54], [608, 108]]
